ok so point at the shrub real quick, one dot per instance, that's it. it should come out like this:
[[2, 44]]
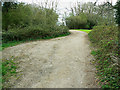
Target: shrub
[[33, 32], [29, 22], [105, 39], [9, 69], [76, 22], [81, 21]]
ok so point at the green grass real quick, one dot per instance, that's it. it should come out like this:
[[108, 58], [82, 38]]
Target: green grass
[[13, 43], [9, 44], [84, 30], [9, 67]]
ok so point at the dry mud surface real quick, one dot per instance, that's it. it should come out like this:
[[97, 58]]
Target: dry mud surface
[[62, 62]]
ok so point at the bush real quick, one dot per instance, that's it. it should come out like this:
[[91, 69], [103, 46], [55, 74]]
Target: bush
[[105, 39], [26, 21], [33, 32], [76, 22], [81, 21], [19, 16], [101, 33]]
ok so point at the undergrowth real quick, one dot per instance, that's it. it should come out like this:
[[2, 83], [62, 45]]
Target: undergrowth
[[9, 69], [105, 42]]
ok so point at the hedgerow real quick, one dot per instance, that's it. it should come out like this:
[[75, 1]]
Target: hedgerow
[[105, 42], [25, 21]]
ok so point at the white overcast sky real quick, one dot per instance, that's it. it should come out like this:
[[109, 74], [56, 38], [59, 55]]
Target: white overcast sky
[[63, 4], [30, 1]]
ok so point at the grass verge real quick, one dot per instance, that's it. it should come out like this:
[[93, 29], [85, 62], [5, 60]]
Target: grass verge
[[84, 30], [9, 69]]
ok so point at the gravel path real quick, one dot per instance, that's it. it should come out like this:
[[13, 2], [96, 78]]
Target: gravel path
[[62, 62]]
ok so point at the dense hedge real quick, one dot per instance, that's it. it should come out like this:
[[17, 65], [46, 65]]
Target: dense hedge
[[33, 32], [105, 40], [24, 21], [81, 21]]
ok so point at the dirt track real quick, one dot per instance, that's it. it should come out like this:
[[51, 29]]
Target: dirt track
[[62, 62]]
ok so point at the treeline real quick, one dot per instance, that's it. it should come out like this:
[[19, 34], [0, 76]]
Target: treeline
[[22, 21], [88, 15]]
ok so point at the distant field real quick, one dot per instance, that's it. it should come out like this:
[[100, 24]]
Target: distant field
[[84, 30]]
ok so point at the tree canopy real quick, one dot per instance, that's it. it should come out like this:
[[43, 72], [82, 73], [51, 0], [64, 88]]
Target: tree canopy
[[117, 7]]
